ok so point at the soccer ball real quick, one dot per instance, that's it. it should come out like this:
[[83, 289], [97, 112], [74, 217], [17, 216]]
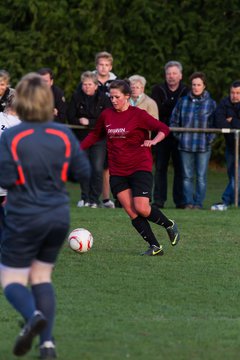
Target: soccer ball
[[80, 240]]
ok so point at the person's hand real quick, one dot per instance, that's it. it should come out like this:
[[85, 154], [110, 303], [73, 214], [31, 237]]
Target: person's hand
[[55, 112], [84, 121], [229, 119], [148, 143]]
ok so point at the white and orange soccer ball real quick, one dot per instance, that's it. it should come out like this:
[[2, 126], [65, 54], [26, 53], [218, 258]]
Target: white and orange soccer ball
[[80, 240]]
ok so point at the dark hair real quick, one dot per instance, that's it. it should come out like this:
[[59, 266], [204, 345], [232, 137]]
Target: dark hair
[[45, 71], [121, 85], [235, 84], [199, 75]]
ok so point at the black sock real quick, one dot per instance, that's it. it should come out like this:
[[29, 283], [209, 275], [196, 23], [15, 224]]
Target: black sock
[[158, 217], [144, 229]]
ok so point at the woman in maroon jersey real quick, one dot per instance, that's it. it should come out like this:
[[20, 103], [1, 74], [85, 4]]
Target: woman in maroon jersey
[[130, 162]]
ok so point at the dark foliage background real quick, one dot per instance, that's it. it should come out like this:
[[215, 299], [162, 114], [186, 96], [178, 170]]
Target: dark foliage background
[[142, 35]]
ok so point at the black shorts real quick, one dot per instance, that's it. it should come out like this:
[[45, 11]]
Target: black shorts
[[140, 183], [39, 237]]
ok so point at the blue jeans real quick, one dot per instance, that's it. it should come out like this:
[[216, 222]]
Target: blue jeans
[[228, 195], [195, 164]]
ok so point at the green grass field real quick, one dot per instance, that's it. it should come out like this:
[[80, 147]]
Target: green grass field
[[114, 304]]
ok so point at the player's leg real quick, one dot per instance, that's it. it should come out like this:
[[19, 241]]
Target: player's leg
[[141, 187], [121, 190], [40, 276], [14, 282], [138, 222], [44, 295]]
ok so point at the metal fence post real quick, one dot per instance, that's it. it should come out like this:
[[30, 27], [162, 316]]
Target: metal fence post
[[236, 177]]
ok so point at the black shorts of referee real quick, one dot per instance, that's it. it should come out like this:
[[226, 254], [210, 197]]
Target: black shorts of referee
[[36, 237]]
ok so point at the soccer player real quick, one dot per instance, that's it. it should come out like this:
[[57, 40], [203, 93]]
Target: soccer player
[[130, 162], [36, 159]]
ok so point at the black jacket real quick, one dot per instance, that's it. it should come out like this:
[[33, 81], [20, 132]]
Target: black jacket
[[59, 104], [224, 110], [90, 107], [167, 99]]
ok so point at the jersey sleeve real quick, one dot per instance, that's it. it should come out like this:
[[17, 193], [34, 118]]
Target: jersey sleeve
[[96, 134], [153, 124]]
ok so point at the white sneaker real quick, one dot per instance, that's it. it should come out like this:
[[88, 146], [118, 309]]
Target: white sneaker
[[47, 350], [93, 206], [219, 207], [109, 204], [80, 203]]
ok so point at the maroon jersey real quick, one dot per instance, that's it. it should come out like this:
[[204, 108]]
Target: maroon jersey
[[126, 132]]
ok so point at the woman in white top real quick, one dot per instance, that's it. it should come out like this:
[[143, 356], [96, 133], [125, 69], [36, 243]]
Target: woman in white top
[[8, 118]]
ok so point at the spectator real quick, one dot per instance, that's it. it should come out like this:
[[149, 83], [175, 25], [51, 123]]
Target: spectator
[[5, 91], [139, 98], [227, 115], [130, 162], [84, 109], [104, 63], [194, 111], [58, 95], [166, 96], [8, 118], [37, 157]]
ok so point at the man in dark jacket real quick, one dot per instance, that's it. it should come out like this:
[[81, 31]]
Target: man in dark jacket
[[166, 96], [58, 95], [227, 115]]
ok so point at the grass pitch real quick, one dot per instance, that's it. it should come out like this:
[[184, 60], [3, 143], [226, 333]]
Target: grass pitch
[[114, 304]]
